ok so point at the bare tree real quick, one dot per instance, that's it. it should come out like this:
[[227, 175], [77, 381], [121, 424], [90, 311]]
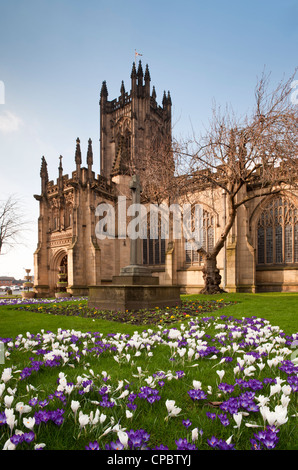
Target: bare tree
[[12, 222], [236, 153]]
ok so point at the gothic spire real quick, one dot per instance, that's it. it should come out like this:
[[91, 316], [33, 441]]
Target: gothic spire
[[133, 71], [44, 169], [122, 96], [147, 82], [140, 74], [60, 184], [104, 90], [44, 176], [147, 74], [89, 154], [153, 93], [169, 99], [164, 99], [60, 165], [78, 155]]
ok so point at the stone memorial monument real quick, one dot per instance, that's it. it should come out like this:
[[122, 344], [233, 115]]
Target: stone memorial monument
[[135, 288]]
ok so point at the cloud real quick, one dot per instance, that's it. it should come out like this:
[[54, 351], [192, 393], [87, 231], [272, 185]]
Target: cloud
[[9, 122]]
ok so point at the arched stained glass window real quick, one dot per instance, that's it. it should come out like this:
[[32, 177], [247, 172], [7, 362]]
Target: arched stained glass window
[[154, 249], [277, 233], [191, 254]]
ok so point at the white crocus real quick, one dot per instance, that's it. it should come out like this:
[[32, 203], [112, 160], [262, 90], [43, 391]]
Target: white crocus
[[8, 399], [197, 385], [2, 388], [10, 418], [286, 389], [285, 400], [6, 375], [123, 438], [194, 434], [220, 373], [124, 394], [75, 405], [29, 422], [276, 417], [21, 408], [238, 418], [39, 446], [249, 371], [280, 415], [262, 400], [9, 445], [173, 410], [83, 419], [275, 389]]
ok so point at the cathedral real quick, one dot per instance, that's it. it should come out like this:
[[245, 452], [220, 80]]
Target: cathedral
[[260, 253]]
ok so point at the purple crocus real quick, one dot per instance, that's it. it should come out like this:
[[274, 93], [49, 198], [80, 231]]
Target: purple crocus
[[183, 444], [197, 394], [2, 419], [213, 442], [92, 446], [223, 419], [226, 387], [186, 423]]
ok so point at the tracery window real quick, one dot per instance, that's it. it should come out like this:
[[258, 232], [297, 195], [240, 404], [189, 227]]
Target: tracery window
[[191, 254], [154, 249], [277, 233]]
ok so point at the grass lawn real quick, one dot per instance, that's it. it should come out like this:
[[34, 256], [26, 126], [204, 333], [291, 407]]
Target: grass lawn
[[208, 361], [279, 308]]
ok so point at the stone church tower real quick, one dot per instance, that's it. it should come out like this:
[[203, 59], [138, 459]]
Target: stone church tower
[[67, 220], [128, 124]]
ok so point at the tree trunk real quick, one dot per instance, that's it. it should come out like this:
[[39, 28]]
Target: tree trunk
[[211, 276]]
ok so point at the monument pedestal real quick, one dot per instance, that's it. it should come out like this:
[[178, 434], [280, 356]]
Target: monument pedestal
[[134, 289], [133, 297], [135, 275]]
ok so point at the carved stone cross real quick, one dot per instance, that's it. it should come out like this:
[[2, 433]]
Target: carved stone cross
[[136, 188], [135, 185]]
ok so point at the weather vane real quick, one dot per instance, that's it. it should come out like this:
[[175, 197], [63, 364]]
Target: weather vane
[[136, 55]]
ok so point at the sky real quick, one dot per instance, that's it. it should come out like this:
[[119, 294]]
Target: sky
[[54, 56]]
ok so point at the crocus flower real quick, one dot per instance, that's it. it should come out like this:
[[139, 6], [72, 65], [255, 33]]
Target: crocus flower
[[186, 423], [83, 419], [9, 445], [123, 438], [92, 446], [6, 375], [173, 410], [238, 418], [21, 408], [220, 373], [29, 422], [75, 405], [10, 418], [8, 399], [39, 446]]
